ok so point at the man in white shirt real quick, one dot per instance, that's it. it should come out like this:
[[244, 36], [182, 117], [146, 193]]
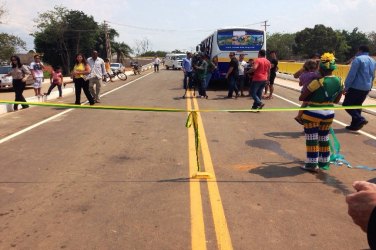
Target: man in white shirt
[[96, 75], [242, 65], [156, 63]]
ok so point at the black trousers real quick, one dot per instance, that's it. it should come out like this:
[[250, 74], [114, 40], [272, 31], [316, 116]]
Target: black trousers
[[355, 97], [80, 83], [19, 87], [52, 86], [156, 67]]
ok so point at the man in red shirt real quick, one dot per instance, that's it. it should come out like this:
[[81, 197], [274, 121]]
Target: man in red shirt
[[261, 75]]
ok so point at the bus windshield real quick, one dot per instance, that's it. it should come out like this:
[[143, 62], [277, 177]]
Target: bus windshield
[[248, 40]]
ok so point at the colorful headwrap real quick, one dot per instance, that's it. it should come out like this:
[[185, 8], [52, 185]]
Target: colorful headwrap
[[328, 61]]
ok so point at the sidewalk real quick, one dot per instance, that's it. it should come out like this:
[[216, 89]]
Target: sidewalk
[[288, 81]]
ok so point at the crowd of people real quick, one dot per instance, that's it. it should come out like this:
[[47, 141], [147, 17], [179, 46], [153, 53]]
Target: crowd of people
[[257, 73], [87, 75]]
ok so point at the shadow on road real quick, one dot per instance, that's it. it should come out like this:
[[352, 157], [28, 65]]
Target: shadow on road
[[281, 169]]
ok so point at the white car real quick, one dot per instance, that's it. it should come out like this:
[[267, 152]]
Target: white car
[[7, 82], [117, 67], [174, 61]]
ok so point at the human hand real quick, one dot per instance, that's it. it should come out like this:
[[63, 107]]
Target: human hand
[[361, 204], [364, 186]]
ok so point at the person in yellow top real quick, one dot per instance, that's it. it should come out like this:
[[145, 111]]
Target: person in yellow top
[[107, 67], [80, 70]]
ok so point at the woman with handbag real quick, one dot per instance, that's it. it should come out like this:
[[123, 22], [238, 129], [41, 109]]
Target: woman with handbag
[[322, 93], [80, 70], [19, 74]]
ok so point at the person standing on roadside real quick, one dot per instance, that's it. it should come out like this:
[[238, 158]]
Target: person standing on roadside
[[241, 79], [36, 69], [232, 75], [96, 75], [187, 70], [56, 79], [80, 70], [261, 74], [321, 93], [202, 70], [19, 74], [358, 84], [156, 63], [273, 74]]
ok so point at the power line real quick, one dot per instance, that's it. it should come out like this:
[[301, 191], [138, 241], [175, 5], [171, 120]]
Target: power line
[[176, 30]]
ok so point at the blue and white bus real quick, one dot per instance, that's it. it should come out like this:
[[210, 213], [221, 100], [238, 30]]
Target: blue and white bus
[[239, 40]]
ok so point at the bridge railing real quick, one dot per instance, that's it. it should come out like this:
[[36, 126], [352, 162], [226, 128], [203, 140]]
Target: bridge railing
[[292, 67]]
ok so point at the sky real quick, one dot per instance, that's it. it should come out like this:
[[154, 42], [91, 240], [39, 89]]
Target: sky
[[182, 24]]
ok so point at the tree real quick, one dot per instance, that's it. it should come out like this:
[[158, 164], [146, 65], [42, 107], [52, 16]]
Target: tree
[[372, 42], [9, 44], [177, 51], [281, 43], [100, 44], [318, 40], [122, 51], [62, 34], [154, 53], [141, 46], [354, 40], [3, 11]]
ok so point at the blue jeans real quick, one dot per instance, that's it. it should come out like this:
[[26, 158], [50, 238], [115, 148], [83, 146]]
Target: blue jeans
[[232, 86], [355, 97], [187, 75], [256, 92]]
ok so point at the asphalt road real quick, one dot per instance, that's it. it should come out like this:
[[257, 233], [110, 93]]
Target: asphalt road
[[115, 179]]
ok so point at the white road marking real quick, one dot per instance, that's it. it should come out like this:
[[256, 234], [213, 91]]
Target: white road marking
[[9, 137], [336, 121]]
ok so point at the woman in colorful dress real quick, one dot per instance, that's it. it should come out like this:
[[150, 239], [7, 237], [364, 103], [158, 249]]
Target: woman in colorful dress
[[320, 93]]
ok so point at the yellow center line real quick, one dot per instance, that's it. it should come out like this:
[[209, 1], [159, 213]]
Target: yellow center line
[[198, 238], [219, 218]]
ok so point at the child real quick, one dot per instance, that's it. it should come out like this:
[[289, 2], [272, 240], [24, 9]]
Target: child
[[309, 74], [107, 67], [36, 69], [56, 80]]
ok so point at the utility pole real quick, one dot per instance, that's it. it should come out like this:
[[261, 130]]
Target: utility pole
[[265, 24], [108, 44]]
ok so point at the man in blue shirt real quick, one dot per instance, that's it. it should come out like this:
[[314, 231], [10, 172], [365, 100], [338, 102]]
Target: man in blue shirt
[[358, 83], [187, 69]]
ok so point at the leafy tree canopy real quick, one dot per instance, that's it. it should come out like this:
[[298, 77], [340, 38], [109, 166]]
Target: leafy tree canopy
[[281, 43], [320, 39], [9, 45]]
